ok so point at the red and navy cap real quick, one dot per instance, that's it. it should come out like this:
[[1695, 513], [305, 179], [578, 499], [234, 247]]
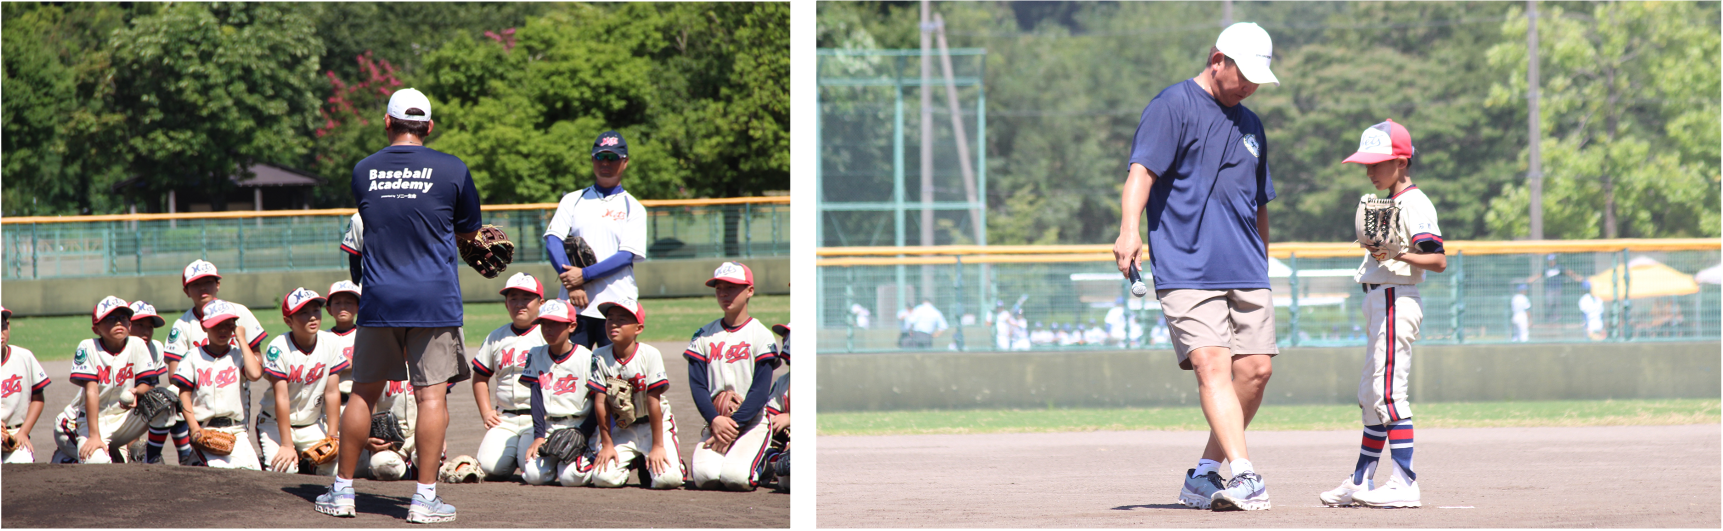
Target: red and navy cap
[[1383, 141]]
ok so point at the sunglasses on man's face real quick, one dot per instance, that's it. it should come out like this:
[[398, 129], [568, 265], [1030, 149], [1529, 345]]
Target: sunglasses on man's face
[[607, 156]]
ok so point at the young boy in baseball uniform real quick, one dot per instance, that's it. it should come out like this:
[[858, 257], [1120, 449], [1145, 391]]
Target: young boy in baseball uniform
[[1394, 310], [734, 354], [652, 434], [214, 385], [108, 366], [505, 405], [777, 464], [303, 369], [22, 382], [145, 321], [343, 307], [559, 376]]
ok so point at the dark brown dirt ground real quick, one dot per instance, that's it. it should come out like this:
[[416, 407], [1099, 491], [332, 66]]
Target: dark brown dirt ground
[[1631, 476], [130, 495]]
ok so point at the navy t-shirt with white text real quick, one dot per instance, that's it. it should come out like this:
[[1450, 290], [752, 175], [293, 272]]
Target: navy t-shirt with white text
[[1211, 169], [412, 201]]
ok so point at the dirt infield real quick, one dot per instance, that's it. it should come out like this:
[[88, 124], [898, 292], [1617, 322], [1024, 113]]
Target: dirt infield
[[134, 495], [1640, 476]]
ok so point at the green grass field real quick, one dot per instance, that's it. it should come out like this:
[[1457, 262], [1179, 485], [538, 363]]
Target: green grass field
[[54, 338], [1276, 418]]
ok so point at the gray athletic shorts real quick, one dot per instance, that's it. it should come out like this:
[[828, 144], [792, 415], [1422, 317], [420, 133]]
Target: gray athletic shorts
[[421, 356], [1238, 319]]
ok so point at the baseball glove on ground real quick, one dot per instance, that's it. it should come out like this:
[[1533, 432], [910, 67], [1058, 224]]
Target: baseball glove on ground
[[491, 254], [388, 428], [579, 253], [619, 396], [1379, 227], [11, 443], [215, 442], [563, 445], [324, 451], [155, 402], [463, 469]]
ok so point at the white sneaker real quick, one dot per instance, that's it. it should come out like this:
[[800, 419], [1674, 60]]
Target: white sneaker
[[1390, 495], [1342, 496]]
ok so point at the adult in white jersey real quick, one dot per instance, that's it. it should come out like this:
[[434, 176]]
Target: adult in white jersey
[[22, 382], [614, 224], [107, 366], [302, 368], [734, 353], [505, 405]]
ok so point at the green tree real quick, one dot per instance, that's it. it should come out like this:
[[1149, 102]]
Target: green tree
[[210, 88]]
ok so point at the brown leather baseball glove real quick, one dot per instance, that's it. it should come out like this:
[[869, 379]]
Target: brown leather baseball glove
[[215, 442], [491, 254], [324, 452]]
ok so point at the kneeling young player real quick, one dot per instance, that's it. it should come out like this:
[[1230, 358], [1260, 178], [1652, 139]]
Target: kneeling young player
[[145, 321], [777, 465], [632, 375], [505, 405], [112, 369], [303, 369], [214, 386], [343, 307], [22, 401], [731, 356], [559, 376]]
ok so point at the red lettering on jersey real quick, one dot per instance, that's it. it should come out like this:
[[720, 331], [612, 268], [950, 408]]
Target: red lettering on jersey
[[12, 386], [316, 373], [226, 377], [566, 384], [638, 382], [507, 359], [615, 215], [125, 374], [716, 353], [348, 352], [400, 388], [296, 373], [301, 375], [737, 352], [204, 377]]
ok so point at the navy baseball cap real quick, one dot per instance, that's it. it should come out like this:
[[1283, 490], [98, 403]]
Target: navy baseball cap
[[610, 141]]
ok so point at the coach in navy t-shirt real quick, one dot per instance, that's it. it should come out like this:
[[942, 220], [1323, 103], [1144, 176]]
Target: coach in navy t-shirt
[[1199, 169], [414, 202]]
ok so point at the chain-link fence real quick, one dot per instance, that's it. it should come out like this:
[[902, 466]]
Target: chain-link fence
[[148, 245], [1074, 301]]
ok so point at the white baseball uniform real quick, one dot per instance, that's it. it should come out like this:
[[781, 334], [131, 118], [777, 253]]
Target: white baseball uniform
[[115, 373], [307, 376], [344, 343], [220, 395], [609, 224], [731, 355], [502, 358], [187, 333], [1395, 312], [353, 241], [644, 372], [566, 386], [391, 465], [20, 377]]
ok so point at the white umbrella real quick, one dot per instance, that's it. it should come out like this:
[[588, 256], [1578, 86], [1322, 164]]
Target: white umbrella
[[1710, 275]]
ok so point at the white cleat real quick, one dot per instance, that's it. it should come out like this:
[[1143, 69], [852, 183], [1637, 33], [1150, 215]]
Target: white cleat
[[1342, 496], [1390, 496]]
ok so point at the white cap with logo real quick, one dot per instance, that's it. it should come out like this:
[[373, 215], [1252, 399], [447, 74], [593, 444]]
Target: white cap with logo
[[1249, 46]]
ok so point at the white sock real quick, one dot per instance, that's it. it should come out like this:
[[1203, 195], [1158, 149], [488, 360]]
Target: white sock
[[1205, 466], [342, 483], [1399, 475], [1240, 467], [428, 491]]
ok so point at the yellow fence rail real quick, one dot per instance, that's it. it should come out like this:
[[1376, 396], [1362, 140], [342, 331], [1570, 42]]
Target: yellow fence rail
[[976, 254], [250, 214]]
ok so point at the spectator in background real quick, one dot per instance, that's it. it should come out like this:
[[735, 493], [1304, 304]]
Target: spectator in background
[[1555, 279], [1116, 322], [1094, 336], [1019, 330], [1520, 311], [1592, 308], [863, 318], [1000, 320], [925, 323], [1042, 336]]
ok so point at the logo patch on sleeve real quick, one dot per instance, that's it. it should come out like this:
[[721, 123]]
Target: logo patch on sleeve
[[1250, 144]]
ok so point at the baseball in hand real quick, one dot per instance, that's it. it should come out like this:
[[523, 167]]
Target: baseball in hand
[[128, 398]]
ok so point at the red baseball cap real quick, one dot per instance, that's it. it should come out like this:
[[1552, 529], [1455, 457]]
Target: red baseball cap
[[108, 305], [781, 329], [632, 306], [556, 310], [732, 272], [142, 310], [1383, 141], [217, 311], [297, 299], [5, 312]]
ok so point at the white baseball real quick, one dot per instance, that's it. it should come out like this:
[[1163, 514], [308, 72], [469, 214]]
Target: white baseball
[[128, 398]]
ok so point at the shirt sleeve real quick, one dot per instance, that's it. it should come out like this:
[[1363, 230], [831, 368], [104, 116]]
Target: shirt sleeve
[[563, 220], [185, 377], [758, 393], [83, 363], [273, 364], [253, 329], [467, 214], [700, 390], [1421, 223], [1264, 180], [656, 377], [694, 352], [40, 376], [354, 241], [483, 362], [176, 345], [1158, 137]]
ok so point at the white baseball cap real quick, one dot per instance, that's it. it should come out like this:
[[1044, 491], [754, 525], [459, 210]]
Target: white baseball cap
[[629, 305], [297, 299], [732, 272], [523, 282], [196, 270], [109, 305], [411, 98], [344, 286], [217, 311], [143, 310], [556, 310], [1248, 45]]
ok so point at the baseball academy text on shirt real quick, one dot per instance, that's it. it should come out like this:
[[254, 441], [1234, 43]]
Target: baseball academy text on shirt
[[380, 180]]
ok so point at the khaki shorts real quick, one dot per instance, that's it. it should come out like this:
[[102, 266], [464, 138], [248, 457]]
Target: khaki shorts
[[421, 356], [1237, 319]]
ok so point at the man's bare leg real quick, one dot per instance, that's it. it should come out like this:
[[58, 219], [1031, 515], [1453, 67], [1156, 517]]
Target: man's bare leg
[[356, 425], [1250, 374], [1220, 401], [433, 426]]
